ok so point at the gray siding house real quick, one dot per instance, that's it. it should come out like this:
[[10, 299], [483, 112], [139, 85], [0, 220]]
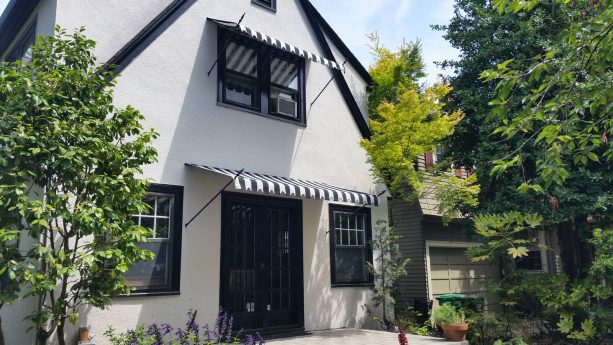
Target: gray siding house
[[439, 263]]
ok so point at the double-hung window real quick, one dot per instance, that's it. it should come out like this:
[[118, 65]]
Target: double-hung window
[[163, 217], [350, 250], [260, 78]]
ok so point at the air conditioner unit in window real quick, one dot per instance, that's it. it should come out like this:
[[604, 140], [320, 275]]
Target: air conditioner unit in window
[[286, 105]]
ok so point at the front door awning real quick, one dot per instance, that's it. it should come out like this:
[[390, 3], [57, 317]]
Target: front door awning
[[267, 184], [278, 43]]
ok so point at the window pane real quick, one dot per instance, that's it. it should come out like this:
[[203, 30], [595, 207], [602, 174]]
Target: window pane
[[361, 238], [360, 219], [153, 273], [350, 265], [240, 89], [284, 73], [337, 236], [162, 227], [532, 262], [241, 59], [337, 220], [284, 101], [150, 201], [163, 207], [353, 238], [147, 222]]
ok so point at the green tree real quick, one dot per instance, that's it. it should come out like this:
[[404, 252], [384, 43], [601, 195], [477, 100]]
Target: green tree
[[391, 266], [70, 162]]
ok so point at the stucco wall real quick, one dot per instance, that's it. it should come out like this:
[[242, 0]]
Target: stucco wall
[[168, 83]]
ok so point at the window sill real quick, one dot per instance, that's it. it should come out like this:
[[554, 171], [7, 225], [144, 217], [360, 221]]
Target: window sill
[[269, 116], [369, 285], [150, 294]]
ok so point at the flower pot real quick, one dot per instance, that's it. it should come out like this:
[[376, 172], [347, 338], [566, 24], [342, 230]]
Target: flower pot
[[455, 332]]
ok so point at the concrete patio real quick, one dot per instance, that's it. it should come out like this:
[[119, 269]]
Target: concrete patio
[[348, 336]]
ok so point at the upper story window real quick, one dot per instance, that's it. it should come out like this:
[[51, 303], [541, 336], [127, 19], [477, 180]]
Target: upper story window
[[261, 78], [270, 4], [162, 274], [22, 50], [350, 250]]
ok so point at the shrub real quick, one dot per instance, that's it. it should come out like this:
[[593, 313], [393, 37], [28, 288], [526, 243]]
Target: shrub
[[193, 334], [410, 320], [447, 314]]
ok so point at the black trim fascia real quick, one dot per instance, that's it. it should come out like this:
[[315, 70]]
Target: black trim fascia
[[338, 75], [338, 42], [147, 35], [15, 15]]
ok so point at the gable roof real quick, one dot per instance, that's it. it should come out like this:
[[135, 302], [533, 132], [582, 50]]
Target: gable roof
[[17, 13]]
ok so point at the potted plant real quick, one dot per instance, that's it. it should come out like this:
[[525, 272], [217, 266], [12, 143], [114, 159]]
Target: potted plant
[[451, 320]]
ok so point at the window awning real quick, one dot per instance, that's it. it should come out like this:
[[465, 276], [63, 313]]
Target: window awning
[[279, 44], [268, 184]]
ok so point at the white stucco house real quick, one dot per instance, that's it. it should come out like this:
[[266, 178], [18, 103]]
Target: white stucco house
[[247, 107]]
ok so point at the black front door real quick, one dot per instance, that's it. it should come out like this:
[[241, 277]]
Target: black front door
[[261, 262]]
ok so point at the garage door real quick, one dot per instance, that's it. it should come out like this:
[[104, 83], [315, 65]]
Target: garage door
[[451, 271]]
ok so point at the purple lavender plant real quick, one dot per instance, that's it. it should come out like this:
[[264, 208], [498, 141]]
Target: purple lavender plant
[[154, 332], [191, 326]]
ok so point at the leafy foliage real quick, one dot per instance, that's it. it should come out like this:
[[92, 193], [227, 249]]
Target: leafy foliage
[[455, 194], [447, 314], [390, 266], [409, 320], [566, 101], [508, 235], [409, 127], [394, 73], [68, 181]]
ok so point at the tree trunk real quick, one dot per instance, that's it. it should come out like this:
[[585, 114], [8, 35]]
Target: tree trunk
[[1, 333], [575, 251], [60, 333]]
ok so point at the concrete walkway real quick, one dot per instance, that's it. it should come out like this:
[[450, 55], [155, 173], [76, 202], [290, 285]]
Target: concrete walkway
[[349, 336]]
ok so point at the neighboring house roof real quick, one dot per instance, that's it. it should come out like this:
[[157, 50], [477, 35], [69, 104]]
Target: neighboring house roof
[[18, 11], [13, 18]]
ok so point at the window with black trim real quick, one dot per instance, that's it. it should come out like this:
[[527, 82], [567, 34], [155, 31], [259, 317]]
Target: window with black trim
[[269, 4], [162, 274], [22, 50], [260, 78], [350, 249], [535, 261]]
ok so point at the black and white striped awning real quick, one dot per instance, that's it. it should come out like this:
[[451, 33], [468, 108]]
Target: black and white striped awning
[[279, 44], [268, 184]]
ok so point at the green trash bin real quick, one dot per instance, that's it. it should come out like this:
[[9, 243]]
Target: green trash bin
[[460, 301]]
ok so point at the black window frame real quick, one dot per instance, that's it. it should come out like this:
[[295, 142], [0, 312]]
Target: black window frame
[[369, 257], [174, 286], [272, 6], [21, 46], [265, 54]]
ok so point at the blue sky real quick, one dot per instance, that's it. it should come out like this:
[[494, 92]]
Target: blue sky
[[393, 20]]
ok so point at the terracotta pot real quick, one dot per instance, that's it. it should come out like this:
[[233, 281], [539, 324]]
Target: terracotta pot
[[455, 332]]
